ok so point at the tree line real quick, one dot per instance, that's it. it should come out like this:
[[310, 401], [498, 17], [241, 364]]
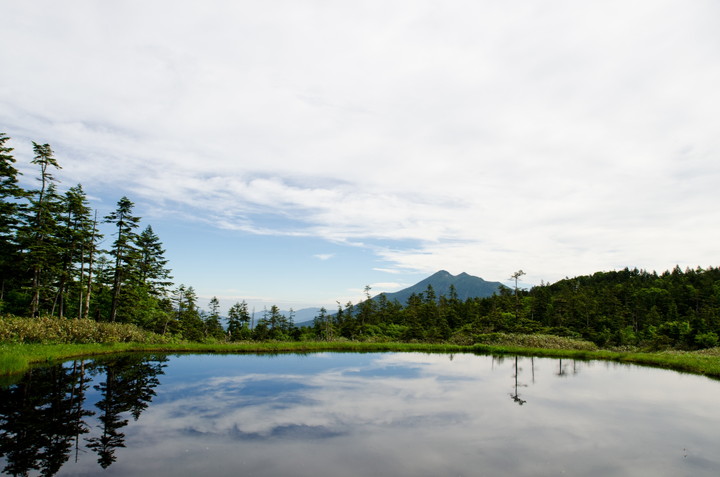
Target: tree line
[[52, 263], [677, 308]]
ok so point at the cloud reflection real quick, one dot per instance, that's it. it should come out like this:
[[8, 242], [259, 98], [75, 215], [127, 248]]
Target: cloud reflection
[[422, 414]]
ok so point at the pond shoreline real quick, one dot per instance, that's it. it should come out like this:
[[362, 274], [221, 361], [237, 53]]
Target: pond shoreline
[[17, 358]]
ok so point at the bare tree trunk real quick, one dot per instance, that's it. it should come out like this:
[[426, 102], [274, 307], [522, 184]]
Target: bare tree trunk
[[81, 281], [59, 300], [35, 301], [86, 310], [116, 279]]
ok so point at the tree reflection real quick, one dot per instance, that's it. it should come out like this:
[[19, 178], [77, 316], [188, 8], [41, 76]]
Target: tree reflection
[[42, 416], [129, 386], [516, 396], [562, 371], [562, 368]]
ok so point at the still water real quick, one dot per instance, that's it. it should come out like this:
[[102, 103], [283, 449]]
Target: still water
[[348, 414]]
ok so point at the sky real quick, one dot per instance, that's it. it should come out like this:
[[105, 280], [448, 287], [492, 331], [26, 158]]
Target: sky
[[293, 152]]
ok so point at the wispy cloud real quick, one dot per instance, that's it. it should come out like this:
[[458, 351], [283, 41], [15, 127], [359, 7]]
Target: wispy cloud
[[561, 138], [393, 271], [381, 287]]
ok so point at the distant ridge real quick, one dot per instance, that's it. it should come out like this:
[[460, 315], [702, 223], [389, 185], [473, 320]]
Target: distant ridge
[[466, 286], [301, 315]]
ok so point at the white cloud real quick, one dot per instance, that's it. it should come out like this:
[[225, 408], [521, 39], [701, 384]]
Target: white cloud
[[382, 287], [393, 271], [561, 138]]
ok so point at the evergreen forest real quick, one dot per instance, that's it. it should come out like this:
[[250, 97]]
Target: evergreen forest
[[52, 264]]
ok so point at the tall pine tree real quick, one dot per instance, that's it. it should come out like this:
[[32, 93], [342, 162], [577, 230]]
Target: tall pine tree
[[40, 229], [239, 321], [124, 249], [151, 264], [76, 237], [11, 195]]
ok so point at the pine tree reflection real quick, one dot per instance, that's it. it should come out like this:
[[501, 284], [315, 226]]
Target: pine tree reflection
[[516, 396], [42, 416], [562, 371], [129, 387]]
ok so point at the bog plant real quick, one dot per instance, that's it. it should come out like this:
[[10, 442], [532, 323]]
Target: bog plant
[[535, 341], [47, 329]]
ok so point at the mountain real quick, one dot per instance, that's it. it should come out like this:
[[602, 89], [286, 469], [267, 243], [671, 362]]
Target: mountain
[[303, 315], [466, 286]]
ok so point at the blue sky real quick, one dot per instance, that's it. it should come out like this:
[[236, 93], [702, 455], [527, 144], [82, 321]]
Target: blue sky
[[292, 152]]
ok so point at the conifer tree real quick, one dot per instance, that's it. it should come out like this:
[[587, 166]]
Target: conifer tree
[[124, 249], [213, 327], [76, 231], [238, 321], [366, 308], [323, 325], [88, 256], [189, 316], [515, 276], [152, 262], [39, 234], [10, 196], [44, 158], [274, 318]]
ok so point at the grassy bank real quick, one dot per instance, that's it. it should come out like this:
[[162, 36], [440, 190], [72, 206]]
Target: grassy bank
[[15, 358], [705, 362], [27, 342]]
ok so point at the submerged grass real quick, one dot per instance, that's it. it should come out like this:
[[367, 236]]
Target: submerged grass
[[17, 357]]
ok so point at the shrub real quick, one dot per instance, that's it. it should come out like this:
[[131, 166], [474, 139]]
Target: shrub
[[48, 329], [706, 340], [534, 341]]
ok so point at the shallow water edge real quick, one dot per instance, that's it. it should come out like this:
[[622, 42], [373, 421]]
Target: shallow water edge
[[17, 358]]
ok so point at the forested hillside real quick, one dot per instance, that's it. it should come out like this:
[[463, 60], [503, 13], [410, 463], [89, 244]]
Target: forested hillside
[[51, 264], [628, 307]]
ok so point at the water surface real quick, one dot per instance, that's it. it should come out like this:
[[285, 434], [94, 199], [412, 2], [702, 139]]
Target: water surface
[[349, 414]]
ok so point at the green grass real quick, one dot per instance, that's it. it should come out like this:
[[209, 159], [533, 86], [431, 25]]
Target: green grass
[[25, 342], [705, 362], [16, 357]]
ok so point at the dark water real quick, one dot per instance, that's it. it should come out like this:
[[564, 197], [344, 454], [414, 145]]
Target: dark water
[[336, 414]]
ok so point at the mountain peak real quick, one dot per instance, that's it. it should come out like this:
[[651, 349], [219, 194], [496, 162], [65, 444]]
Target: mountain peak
[[466, 286], [441, 273]]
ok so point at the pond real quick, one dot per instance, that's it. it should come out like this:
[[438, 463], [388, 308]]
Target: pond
[[354, 414]]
